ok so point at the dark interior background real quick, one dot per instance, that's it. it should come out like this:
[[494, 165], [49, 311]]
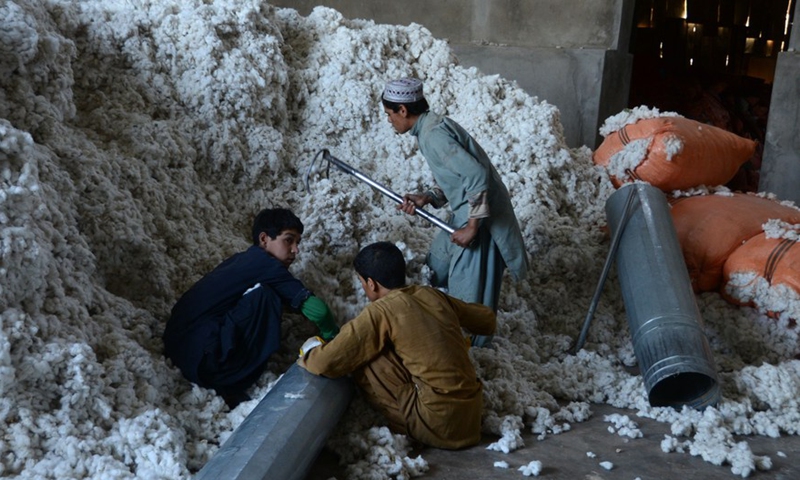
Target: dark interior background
[[712, 61]]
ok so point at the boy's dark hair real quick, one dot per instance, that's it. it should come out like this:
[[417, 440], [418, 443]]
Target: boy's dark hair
[[273, 221], [415, 108], [382, 262]]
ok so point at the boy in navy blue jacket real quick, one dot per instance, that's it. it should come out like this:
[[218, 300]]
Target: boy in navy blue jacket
[[223, 329]]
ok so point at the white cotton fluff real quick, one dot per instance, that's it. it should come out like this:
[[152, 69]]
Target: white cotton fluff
[[629, 157], [511, 439], [18, 39], [720, 190], [501, 464], [533, 468], [139, 138], [775, 228], [371, 451], [623, 426], [607, 465], [713, 444], [751, 286], [630, 116], [673, 145]]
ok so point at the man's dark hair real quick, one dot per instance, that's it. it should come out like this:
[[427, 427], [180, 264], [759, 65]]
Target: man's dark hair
[[415, 108], [382, 262], [273, 221]]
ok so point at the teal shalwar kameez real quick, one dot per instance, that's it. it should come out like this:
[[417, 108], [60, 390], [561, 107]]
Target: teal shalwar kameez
[[462, 171]]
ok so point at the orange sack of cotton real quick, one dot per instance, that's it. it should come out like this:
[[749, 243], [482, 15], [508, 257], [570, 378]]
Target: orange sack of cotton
[[776, 261], [673, 153], [711, 227]]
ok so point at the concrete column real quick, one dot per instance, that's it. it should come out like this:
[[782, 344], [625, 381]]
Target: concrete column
[[780, 168]]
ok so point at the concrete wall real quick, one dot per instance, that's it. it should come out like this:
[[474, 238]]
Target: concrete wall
[[780, 168], [522, 23], [572, 80], [571, 53]]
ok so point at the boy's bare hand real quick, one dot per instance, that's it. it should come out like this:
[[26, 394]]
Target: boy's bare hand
[[463, 237], [467, 235], [412, 201]]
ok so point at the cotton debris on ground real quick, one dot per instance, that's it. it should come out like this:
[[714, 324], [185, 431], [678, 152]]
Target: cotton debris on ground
[[623, 426], [139, 138], [534, 468]]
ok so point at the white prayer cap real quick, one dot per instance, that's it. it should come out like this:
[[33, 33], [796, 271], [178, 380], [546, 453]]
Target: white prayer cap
[[404, 90]]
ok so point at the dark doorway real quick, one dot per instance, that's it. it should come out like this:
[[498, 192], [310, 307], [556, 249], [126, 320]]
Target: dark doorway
[[712, 61]]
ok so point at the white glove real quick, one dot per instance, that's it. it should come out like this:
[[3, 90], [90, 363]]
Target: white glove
[[310, 344]]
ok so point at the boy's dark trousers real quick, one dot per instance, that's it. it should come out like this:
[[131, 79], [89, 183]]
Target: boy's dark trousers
[[249, 334]]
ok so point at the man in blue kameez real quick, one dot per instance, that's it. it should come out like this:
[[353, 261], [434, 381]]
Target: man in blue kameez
[[470, 262]]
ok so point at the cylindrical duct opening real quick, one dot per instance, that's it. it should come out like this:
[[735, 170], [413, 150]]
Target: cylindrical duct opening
[[666, 326]]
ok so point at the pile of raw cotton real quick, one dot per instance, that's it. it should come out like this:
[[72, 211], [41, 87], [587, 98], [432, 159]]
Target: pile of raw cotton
[[138, 139]]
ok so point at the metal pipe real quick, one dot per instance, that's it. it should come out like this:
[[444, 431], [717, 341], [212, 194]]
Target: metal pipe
[[666, 326], [284, 434], [326, 155], [612, 252]]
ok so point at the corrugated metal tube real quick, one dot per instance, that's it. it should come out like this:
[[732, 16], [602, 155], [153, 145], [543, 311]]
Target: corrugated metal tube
[[674, 357]]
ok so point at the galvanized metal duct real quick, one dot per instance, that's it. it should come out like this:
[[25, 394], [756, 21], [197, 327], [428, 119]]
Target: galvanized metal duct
[[666, 326], [284, 434]]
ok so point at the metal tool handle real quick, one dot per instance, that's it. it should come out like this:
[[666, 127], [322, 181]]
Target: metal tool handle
[[326, 155], [612, 253]]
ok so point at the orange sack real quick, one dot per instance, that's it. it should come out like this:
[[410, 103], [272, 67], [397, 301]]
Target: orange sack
[[711, 227], [776, 260], [673, 153]]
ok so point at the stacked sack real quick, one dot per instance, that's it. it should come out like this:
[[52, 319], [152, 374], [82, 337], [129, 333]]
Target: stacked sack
[[673, 153], [765, 271], [741, 245]]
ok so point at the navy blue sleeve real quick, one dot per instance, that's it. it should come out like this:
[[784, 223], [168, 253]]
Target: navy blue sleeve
[[220, 289], [288, 287]]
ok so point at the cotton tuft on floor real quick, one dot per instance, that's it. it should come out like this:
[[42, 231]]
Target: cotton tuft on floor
[[139, 138]]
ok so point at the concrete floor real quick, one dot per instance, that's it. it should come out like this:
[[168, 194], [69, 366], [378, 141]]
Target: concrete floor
[[564, 456]]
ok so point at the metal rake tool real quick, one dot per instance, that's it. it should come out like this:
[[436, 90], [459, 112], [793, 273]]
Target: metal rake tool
[[326, 155]]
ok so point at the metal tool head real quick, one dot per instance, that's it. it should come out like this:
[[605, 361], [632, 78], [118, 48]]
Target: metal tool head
[[325, 155]]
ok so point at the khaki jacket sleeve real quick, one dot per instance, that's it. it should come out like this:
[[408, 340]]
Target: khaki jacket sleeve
[[359, 341], [475, 317]]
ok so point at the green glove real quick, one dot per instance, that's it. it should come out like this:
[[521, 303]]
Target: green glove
[[318, 312]]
